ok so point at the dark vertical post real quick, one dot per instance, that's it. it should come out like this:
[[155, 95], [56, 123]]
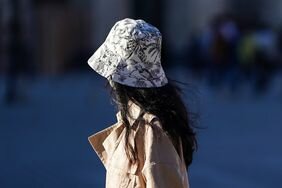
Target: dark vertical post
[[152, 11]]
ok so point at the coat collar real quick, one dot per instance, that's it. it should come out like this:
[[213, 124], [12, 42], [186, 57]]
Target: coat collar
[[106, 141], [102, 142]]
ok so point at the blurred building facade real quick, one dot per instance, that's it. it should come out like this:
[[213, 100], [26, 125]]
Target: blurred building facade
[[62, 34]]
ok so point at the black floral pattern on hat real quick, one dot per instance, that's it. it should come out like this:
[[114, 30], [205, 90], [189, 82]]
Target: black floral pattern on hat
[[131, 55]]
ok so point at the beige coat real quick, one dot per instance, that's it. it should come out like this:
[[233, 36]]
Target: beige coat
[[159, 165]]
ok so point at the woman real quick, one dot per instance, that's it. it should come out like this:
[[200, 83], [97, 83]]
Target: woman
[[152, 143]]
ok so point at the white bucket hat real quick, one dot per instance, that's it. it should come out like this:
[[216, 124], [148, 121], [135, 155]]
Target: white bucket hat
[[131, 55]]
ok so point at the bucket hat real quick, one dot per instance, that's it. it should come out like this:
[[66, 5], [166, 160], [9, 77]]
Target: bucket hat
[[131, 55]]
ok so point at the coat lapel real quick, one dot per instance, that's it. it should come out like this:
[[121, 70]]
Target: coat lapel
[[105, 142]]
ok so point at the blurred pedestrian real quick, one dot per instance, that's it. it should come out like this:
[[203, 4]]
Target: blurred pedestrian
[[152, 143]]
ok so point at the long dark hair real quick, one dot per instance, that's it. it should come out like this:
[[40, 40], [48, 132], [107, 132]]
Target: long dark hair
[[165, 103]]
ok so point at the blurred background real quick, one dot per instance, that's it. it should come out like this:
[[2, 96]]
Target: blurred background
[[229, 51]]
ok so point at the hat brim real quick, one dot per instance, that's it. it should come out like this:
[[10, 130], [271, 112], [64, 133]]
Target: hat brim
[[111, 66], [95, 63], [103, 61]]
